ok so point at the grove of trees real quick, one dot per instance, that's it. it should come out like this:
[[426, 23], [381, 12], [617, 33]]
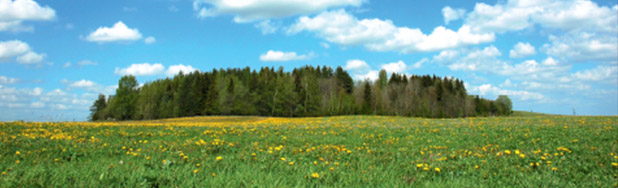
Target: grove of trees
[[306, 91]]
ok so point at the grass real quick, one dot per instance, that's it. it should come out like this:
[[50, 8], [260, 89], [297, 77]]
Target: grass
[[346, 151], [528, 114]]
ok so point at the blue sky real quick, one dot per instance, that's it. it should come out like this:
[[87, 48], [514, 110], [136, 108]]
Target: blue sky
[[548, 56]]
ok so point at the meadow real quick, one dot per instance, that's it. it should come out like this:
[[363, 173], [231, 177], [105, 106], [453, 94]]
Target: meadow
[[344, 151]]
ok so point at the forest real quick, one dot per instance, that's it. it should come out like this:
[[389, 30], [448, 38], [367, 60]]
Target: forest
[[306, 91]]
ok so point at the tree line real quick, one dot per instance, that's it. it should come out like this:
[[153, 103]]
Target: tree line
[[306, 91]]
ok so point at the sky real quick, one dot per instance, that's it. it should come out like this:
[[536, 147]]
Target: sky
[[558, 57]]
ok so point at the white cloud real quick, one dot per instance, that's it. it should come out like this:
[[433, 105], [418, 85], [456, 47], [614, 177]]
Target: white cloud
[[395, 67], [144, 69], [37, 104], [284, 56], [356, 64], [490, 91], [150, 40], [118, 32], [372, 75], [9, 49], [420, 63], [599, 73], [80, 64], [82, 84], [382, 35], [267, 27], [19, 50], [522, 50], [86, 63], [7, 80], [31, 58], [325, 45], [251, 10], [583, 46], [175, 69], [13, 13], [514, 15], [451, 14]]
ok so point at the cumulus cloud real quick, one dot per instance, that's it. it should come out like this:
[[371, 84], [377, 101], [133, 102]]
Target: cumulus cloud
[[37, 104], [599, 73], [356, 64], [143, 69], [420, 63], [583, 46], [395, 67], [20, 51], [451, 14], [80, 64], [382, 35], [267, 27], [82, 84], [272, 55], [14, 13], [7, 80], [12, 48], [116, 33], [175, 69], [513, 15], [150, 40], [522, 50], [31, 58], [251, 10], [490, 91]]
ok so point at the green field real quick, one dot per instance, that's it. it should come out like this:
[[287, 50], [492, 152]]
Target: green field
[[347, 151]]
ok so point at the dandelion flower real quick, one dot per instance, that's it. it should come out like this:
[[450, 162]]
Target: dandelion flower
[[219, 158], [315, 175], [437, 169], [195, 171], [17, 153]]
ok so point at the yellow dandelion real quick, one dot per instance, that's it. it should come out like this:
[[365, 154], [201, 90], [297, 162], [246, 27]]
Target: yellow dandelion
[[419, 165], [219, 158], [508, 152], [3, 173], [315, 175], [148, 158], [291, 163], [198, 165], [17, 162], [437, 169], [476, 166], [17, 153], [163, 161], [522, 155], [554, 168], [332, 169], [213, 174], [426, 169], [283, 158], [615, 164], [195, 171]]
